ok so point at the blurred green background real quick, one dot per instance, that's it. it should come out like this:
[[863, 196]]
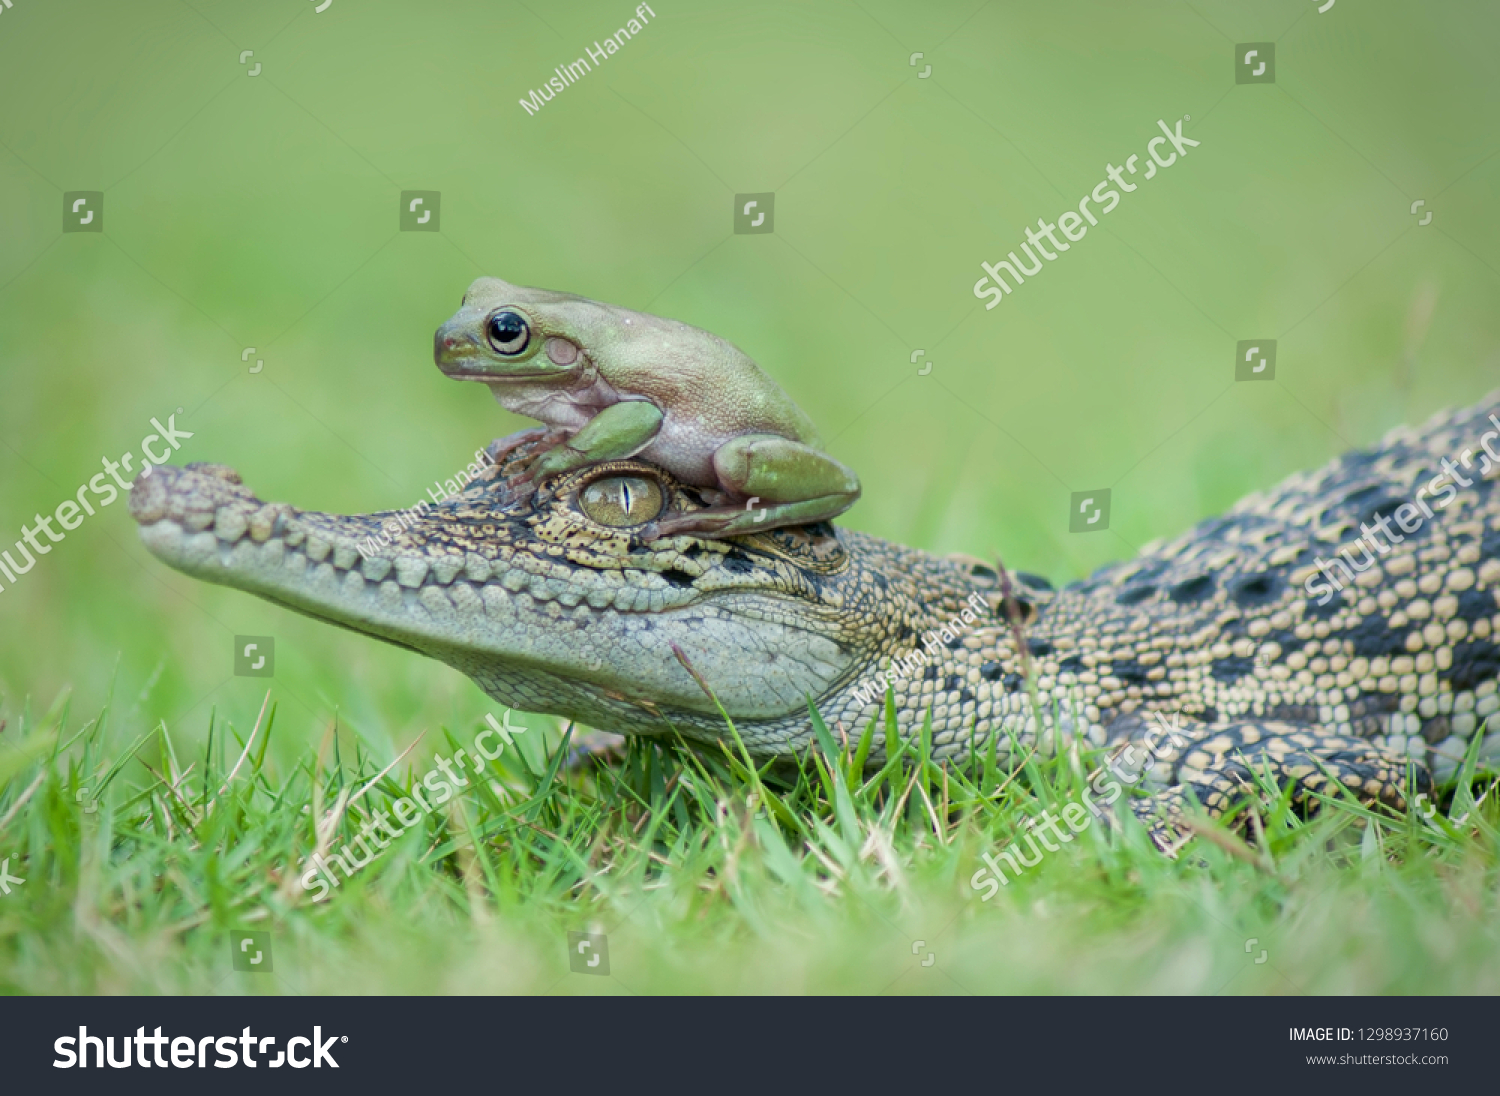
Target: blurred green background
[[261, 212]]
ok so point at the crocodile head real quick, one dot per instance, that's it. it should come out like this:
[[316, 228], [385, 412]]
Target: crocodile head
[[552, 603]]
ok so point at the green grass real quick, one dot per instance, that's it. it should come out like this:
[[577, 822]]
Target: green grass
[[706, 874]]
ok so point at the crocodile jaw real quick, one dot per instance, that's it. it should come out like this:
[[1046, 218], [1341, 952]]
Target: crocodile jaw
[[467, 584]]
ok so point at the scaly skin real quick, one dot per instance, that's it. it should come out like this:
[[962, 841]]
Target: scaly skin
[[549, 610]]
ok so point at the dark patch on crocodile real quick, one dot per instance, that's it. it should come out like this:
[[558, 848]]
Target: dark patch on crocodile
[[1252, 591], [1385, 505], [1193, 590], [1437, 729], [1422, 531], [1375, 704], [1036, 582], [1474, 603], [1374, 637], [1131, 673], [1351, 502], [1134, 595], [1039, 647], [1286, 640], [680, 579], [1475, 661], [1325, 611], [1294, 713], [738, 563], [1231, 669]]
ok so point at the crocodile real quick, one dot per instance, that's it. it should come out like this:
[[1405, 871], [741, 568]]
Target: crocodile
[[1342, 627]]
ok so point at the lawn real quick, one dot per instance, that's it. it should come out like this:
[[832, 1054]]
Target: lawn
[[702, 875]]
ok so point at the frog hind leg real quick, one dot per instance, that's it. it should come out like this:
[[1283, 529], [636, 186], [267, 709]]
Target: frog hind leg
[[774, 481]]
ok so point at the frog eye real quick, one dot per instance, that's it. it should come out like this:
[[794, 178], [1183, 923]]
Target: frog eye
[[508, 333], [619, 501]]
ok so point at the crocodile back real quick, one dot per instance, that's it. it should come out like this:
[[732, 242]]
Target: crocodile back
[[1361, 598]]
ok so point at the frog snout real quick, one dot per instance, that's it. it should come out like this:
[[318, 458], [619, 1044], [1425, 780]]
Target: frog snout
[[451, 345]]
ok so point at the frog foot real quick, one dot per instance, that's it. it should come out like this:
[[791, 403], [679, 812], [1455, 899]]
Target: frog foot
[[544, 438], [539, 441]]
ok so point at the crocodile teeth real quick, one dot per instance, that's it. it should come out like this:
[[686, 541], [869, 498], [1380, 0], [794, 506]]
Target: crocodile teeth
[[318, 547], [198, 520], [344, 556], [445, 568], [231, 524], [476, 568], [149, 500], [263, 520], [411, 570], [376, 568]]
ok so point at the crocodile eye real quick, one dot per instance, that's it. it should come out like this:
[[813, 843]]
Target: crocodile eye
[[618, 501], [508, 333]]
